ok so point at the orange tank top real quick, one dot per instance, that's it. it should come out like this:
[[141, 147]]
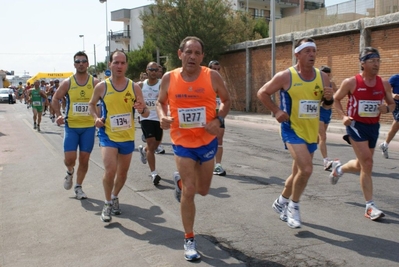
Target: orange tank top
[[192, 106]]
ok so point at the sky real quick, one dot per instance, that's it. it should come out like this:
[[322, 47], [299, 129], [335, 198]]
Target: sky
[[43, 35]]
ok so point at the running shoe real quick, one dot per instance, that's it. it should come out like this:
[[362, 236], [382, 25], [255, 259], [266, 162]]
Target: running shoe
[[328, 165], [281, 209], [68, 180], [293, 217], [38, 128], [219, 170], [106, 213], [334, 175], [190, 250], [160, 150], [115, 210], [155, 179], [384, 149], [373, 213], [53, 119], [176, 179], [79, 193], [143, 155], [34, 126]]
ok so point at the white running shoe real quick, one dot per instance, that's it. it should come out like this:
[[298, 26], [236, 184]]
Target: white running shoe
[[115, 210], [176, 179], [334, 175], [68, 180], [281, 209], [190, 250], [79, 193], [219, 170], [373, 213], [293, 217], [328, 164], [160, 150], [143, 155], [384, 149], [106, 213]]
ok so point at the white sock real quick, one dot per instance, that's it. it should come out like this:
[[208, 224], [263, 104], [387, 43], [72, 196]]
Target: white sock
[[113, 197], [293, 204], [282, 200], [154, 172]]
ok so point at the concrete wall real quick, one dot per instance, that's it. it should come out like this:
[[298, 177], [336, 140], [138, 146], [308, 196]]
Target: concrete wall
[[338, 46]]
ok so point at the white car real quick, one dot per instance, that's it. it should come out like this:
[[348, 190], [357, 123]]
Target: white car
[[4, 95]]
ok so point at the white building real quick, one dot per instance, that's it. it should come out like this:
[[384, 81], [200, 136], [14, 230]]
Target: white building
[[132, 35]]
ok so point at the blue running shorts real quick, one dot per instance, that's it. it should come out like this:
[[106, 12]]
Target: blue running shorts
[[359, 132], [289, 136], [124, 148], [82, 137], [201, 154], [325, 115]]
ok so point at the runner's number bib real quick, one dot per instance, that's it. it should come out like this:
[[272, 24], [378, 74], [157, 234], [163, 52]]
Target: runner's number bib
[[81, 109], [369, 108], [308, 109], [150, 103], [120, 122], [192, 117]]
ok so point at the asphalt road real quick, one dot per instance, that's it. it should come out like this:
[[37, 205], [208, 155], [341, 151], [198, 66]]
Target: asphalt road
[[42, 224]]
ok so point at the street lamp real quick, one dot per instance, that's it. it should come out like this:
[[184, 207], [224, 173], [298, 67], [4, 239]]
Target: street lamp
[[82, 36], [106, 28]]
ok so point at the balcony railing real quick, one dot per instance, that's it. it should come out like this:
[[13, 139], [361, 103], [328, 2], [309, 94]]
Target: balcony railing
[[120, 35], [292, 2]]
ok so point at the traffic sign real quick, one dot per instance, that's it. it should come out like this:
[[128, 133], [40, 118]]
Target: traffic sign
[[107, 73]]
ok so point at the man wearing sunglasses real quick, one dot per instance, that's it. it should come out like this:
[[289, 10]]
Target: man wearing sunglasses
[[150, 126], [79, 125]]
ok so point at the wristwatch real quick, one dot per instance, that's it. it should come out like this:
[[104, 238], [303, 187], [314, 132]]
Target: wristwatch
[[221, 120]]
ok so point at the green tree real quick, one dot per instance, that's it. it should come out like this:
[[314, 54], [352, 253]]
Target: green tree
[[138, 59], [261, 27], [214, 21], [101, 67]]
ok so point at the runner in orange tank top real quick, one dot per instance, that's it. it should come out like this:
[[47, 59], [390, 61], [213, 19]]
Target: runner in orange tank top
[[191, 92]]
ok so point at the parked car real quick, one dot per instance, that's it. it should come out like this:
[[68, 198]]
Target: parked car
[[4, 95]]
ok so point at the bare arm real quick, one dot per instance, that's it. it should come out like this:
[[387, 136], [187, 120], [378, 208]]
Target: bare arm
[[162, 103], [98, 93], [328, 91], [278, 82], [139, 104], [219, 86], [347, 86], [390, 102], [59, 94]]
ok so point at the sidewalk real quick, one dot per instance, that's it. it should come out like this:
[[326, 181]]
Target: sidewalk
[[335, 126]]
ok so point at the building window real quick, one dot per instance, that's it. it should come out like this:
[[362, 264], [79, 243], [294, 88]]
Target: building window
[[259, 13]]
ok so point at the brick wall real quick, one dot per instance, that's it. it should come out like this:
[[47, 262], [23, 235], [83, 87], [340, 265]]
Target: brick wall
[[339, 50]]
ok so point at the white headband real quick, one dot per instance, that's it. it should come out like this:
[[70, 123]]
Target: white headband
[[304, 45]]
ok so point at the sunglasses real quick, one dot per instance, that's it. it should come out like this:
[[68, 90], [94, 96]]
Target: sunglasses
[[152, 69], [78, 61]]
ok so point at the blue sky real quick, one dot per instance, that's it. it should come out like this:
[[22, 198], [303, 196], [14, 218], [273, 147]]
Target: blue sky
[[43, 35]]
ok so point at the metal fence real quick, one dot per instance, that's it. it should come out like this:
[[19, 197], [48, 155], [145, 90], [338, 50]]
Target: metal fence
[[344, 12]]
